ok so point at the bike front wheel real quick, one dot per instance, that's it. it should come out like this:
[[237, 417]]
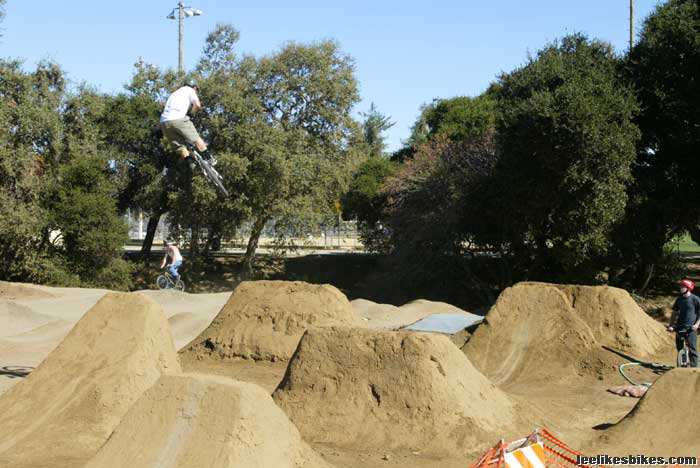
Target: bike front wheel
[[180, 285], [683, 360], [215, 178], [162, 282], [211, 174]]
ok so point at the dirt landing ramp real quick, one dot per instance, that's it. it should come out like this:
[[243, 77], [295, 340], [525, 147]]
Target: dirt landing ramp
[[383, 390], [617, 320], [663, 423], [196, 420], [542, 333], [67, 408], [264, 320]]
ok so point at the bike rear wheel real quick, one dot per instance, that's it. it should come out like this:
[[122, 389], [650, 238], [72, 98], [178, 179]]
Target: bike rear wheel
[[683, 359], [162, 282]]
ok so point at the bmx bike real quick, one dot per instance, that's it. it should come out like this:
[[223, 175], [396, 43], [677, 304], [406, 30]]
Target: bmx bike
[[211, 174], [683, 358], [166, 281]]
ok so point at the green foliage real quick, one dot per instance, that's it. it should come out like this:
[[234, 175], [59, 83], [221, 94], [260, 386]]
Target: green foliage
[[82, 208], [375, 123], [567, 141], [29, 149], [459, 118], [428, 201], [663, 66], [59, 222], [282, 123], [366, 201]]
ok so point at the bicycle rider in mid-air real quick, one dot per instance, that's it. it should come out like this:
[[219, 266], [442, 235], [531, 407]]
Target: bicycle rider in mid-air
[[685, 320], [177, 127]]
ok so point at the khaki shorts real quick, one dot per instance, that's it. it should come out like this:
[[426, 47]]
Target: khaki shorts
[[179, 132]]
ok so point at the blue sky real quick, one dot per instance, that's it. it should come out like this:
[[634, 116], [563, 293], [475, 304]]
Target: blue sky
[[406, 52]]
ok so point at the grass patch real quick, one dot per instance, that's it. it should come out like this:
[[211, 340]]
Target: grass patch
[[685, 244]]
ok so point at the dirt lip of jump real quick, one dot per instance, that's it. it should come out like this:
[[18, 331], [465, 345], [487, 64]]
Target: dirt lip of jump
[[264, 320], [76, 397], [209, 421]]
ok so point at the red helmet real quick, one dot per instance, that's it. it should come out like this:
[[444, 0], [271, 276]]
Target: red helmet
[[688, 284]]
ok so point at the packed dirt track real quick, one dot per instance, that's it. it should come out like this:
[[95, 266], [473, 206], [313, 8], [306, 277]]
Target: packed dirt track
[[292, 374], [86, 385]]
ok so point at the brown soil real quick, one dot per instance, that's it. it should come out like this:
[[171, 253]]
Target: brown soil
[[662, 424], [205, 421], [73, 401], [362, 396], [383, 390], [23, 291], [543, 334], [264, 320]]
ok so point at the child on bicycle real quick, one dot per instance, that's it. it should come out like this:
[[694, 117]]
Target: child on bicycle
[[685, 319], [172, 252]]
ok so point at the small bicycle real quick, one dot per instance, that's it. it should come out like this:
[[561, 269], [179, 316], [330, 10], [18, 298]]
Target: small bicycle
[[166, 281]]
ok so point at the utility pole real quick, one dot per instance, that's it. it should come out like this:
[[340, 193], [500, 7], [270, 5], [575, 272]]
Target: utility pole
[[180, 37], [631, 23]]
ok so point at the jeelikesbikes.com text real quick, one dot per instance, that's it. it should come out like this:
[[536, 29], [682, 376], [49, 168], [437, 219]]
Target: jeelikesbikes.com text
[[633, 460]]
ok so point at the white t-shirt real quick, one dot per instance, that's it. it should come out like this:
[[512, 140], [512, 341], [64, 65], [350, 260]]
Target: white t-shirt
[[179, 103], [174, 253]]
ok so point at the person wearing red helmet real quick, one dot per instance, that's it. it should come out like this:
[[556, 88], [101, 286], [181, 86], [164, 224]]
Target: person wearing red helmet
[[685, 319]]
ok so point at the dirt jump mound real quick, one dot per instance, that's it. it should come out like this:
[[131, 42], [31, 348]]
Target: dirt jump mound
[[663, 423], [359, 388], [616, 320], [545, 333], [21, 291], [66, 409], [264, 320], [195, 420]]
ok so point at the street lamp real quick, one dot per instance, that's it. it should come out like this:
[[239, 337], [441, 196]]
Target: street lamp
[[182, 12]]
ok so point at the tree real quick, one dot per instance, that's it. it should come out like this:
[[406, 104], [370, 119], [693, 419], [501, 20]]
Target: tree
[[567, 141], [428, 201], [663, 67], [82, 207], [59, 222], [365, 200], [131, 125], [284, 122], [375, 123], [30, 147], [459, 118]]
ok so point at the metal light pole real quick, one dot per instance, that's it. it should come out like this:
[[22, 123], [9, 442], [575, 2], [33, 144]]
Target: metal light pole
[[631, 23], [182, 12], [180, 37]]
